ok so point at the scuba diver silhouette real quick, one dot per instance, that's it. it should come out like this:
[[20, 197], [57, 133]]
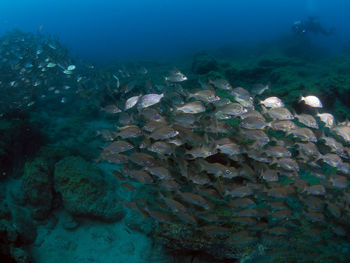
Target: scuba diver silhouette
[[310, 26]]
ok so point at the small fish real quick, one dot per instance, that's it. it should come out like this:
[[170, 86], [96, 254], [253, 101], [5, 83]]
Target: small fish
[[278, 113], [277, 151], [51, 65], [163, 133], [343, 131], [118, 147], [269, 175], [176, 76], [332, 159], [205, 95], [195, 199], [238, 191], [149, 100], [229, 148], [234, 109], [241, 93], [140, 176], [161, 148], [308, 149], [315, 190], [259, 89], [67, 72], [192, 107], [71, 67], [111, 109], [160, 172], [131, 131], [272, 102], [312, 101], [339, 181], [253, 123], [143, 159], [220, 84], [286, 163], [304, 134], [327, 119], [131, 102], [284, 125], [256, 135], [307, 120]]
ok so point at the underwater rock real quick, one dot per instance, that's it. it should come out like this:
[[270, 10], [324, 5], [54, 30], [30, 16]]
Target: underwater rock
[[37, 185], [84, 191], [204, 63], [24, 225], [68, 222], [20, 255], [5, 212]]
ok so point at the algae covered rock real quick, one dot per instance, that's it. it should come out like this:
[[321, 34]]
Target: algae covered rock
[[84, 190], [37, 186]]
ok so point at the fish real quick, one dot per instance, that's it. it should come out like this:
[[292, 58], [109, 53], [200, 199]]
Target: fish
[[259, 89], [149, 100], [140, 176], [315, 190], [234, 109], [272, 102], [269, 175], [278, 113], [130, 131], [151, 126], [239, 191], [334, 145], [160, 172], [194, 199], [164, 132], [161, 147], [111, 109], [283, 125], [286, 163], [277, 151], [118, 147], [143, 159], [174, 205], [229, 148], [253, 123], [307, 119], [331, 159], [192, 107], [304, 134], [206, 95], [202, 151], [256, 135], [343, 131], [327, 119], [131, 102], [176, 76], [220, 84], [308, 149], [217, 169], [312, 101], [241, 93]]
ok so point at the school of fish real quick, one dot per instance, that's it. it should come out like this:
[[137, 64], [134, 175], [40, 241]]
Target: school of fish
[[225, 162]]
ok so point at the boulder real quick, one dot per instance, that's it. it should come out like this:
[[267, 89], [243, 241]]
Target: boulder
[[84, 191]]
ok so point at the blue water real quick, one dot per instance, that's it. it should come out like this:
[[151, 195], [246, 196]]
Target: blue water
[[127, 29]]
